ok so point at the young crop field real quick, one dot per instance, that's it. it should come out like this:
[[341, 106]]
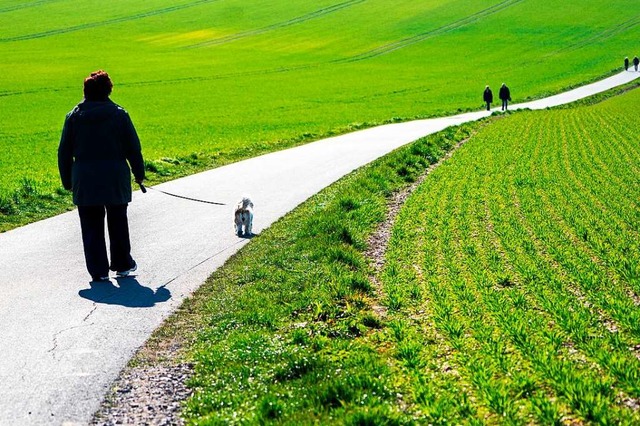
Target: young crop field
[[514, 273], [212, 81], [510, 292]]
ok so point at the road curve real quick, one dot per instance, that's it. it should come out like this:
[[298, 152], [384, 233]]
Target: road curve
[[65, 340]]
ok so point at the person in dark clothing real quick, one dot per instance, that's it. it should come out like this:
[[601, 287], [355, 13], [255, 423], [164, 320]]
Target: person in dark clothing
[[97, 146], [505, 96], [626, 63], [487, 96], [636, 62]]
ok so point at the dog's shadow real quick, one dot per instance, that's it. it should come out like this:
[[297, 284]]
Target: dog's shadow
[[247, 236], [129, 293]]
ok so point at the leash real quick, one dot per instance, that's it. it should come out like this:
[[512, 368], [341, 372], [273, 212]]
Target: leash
[[144, 191]]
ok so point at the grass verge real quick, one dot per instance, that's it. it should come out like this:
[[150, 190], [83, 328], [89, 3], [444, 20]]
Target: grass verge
[[292, 337]]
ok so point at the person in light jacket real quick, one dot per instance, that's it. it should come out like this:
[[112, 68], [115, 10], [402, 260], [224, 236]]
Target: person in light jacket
[[505, 96], [487, 97], [99, 148]]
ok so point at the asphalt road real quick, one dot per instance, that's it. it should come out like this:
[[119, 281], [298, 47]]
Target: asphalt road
[[64, 340]]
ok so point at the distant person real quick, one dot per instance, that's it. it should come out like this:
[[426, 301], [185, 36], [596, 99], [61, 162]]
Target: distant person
[[487, 96], [505, 96], [636, 61], [626, 63], [97, 146]]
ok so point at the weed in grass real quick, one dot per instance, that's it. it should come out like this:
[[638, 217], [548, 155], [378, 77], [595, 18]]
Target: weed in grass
[[336, 393], [371, 320], [339, 288], [294, 367], [506, 281], [346, 255], [376, 416], [394, 300], [453, 329], [502, 403], [409, 353], [399, 328], [361, 284], [348, 204], [547, 412], [415, 292], [261, 319], [7, 206], [300, 336], [30, 202], [270, 408]]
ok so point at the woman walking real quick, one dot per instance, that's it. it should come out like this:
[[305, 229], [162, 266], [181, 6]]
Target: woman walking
[[97, 146]]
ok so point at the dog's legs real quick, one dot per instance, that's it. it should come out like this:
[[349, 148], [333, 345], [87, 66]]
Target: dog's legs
[[239, 229], [247, 227]]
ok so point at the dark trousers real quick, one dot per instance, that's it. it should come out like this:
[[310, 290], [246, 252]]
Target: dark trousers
[[504, 104], [488, 106], [93, 239]]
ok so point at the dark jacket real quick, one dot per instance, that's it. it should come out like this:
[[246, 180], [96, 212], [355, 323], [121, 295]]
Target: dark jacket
[[488, 95], [636, 61], [505, 93], [98, 138]]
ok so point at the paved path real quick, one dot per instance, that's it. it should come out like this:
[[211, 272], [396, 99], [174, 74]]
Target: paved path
[[65, 340]]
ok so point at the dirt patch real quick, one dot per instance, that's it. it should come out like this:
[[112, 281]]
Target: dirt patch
[[378, 241], [152, 388], [146, 395]]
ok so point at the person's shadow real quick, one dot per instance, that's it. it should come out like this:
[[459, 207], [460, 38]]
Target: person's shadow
[[129, 292]]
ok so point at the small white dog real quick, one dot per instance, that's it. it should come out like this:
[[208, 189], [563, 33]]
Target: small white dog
[[243, 216]]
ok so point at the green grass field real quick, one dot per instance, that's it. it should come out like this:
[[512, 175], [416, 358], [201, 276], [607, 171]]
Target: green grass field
[[212, 81], [511, 288]]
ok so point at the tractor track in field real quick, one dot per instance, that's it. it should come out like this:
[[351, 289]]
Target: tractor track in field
[[297, 20], [378, 242], [603, 35], [105, 22], [26, 5], [400, 44]]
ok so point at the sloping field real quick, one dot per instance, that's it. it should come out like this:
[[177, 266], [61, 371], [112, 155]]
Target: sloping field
[[211, 81], [510, 292], [520, 262]]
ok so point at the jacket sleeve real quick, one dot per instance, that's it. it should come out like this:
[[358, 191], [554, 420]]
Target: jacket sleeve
[[65, 153], [133, 148]]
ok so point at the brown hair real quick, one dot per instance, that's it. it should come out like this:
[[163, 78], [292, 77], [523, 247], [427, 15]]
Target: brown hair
[[97, 87]]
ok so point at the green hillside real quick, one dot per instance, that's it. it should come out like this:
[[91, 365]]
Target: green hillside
[[211, 81]]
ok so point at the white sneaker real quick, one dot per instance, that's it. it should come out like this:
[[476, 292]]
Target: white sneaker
[[127, 272], [99, 279]]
